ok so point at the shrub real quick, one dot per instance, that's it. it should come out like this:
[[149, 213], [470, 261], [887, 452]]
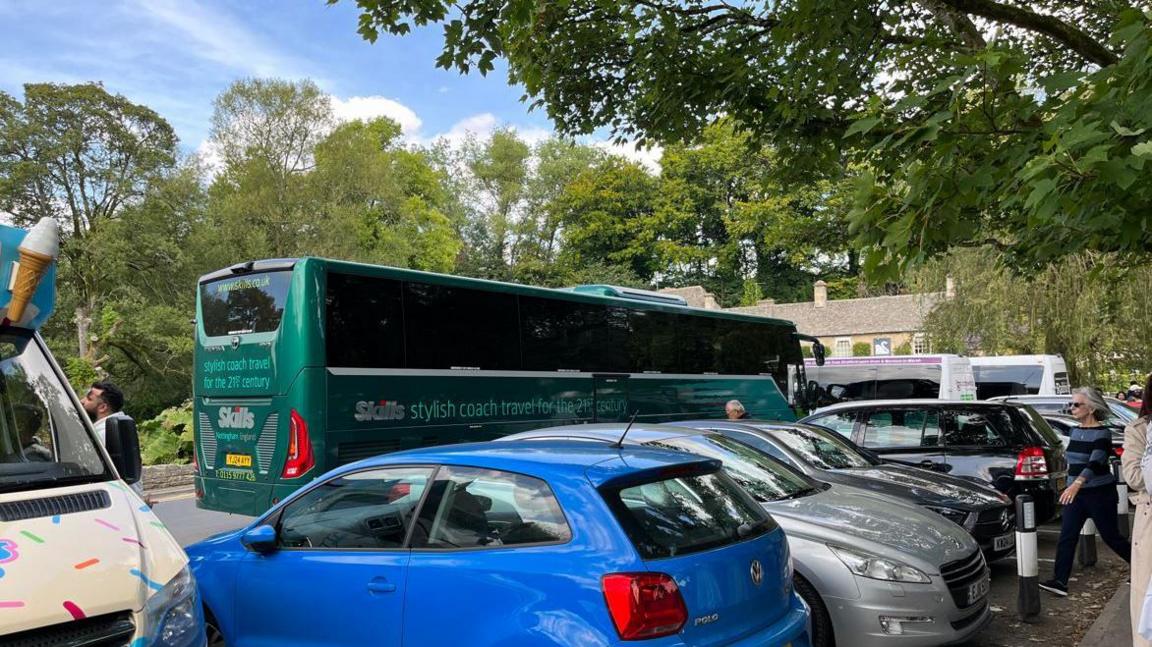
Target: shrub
[[861, 349], [904, 349], [167, 438]]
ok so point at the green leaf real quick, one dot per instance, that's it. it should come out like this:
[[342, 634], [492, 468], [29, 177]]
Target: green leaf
[[1055, 83], [1143, 149], [1126, 132], [862, 126]]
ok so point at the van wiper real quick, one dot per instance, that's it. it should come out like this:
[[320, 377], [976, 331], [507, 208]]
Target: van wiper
[[44, 483], [80, 479]]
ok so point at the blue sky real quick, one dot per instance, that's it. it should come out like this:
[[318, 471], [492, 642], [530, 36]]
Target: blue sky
[[175, 56]]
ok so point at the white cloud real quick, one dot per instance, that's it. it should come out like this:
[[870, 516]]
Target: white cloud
[[649, 158], [213, 36], [481, 125], [367, 108], [208, 153]]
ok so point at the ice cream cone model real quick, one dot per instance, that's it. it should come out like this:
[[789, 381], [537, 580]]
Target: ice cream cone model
[[37, 252]]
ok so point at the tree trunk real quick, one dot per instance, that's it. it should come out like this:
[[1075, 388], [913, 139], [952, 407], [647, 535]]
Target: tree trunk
[[83, 320]]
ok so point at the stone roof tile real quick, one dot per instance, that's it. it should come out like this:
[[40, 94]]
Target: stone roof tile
[[843, 317]]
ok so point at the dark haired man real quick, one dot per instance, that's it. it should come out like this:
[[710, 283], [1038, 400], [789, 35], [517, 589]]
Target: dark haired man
[[105, 400]]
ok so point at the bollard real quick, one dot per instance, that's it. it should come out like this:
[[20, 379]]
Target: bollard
[[1027, 566], [1086, 547], [1122, 502]]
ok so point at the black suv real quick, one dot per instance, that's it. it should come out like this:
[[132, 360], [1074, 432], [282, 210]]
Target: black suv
[[1007, 445]]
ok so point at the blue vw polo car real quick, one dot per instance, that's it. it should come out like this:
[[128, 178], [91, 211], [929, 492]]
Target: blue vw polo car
[[531, 543]]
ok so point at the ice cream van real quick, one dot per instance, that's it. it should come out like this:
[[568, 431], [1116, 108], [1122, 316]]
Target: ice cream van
[[83, 561]]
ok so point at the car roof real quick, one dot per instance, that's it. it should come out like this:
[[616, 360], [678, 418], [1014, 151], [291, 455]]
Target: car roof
[[907, 402], [638, 433], [542, 458], [746, 423]]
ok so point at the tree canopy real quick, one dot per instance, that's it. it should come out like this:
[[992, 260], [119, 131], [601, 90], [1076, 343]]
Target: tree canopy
[[970, 121]]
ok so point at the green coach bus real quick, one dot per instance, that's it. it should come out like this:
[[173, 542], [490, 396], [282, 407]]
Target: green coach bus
[[306, 364]]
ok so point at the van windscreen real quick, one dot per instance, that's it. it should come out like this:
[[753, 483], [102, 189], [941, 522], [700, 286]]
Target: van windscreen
[[994, 381], [43, 441], [876, 382]]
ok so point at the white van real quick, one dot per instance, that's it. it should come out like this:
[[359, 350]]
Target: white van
[[898, 377], [1020, 375], [82, 559]]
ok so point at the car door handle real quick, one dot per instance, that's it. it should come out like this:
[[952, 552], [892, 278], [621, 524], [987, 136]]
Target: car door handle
[[381, 585]]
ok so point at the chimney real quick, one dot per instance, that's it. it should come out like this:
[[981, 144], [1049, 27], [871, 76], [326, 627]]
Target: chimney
[[821, 296], [949, 288]]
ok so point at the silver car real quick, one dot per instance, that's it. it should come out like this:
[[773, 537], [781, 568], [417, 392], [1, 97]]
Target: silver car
[[873, 569]]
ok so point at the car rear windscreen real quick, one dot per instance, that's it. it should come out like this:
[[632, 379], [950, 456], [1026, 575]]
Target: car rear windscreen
[[244, 304], [687, 514], [1038, 425]]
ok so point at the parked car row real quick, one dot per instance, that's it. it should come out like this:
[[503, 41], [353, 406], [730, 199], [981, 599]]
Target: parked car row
[[1007, 445], [870, 520]]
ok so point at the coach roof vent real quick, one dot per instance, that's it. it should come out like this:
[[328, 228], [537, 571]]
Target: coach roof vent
[[631, 293]]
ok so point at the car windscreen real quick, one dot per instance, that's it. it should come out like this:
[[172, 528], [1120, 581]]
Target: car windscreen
[[43, 441], [244, 304], [765, 478], [823, 450], [1122, 413], [686, 514]]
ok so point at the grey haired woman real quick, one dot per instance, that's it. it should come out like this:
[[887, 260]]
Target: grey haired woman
[[1091, 492]]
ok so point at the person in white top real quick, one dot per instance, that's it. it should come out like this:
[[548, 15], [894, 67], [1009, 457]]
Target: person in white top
[[102, 401], [105, 400]]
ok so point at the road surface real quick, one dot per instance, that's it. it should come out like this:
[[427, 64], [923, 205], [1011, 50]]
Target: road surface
[[190, 524]]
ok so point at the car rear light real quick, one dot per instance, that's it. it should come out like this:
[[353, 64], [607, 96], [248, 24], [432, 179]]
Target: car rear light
[[1030, 463], [300, 458], [644, 605]]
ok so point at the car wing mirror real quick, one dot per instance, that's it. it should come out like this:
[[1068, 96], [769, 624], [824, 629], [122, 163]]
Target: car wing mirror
[[123, 445], [818, 353], [261, 539]]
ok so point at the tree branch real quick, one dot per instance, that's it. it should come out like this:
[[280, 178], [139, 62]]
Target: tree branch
[[1077, 40], [957, 22]]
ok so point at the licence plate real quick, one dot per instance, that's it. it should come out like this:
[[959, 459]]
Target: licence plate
[[1004, 542], [238, 460], [977, 590]]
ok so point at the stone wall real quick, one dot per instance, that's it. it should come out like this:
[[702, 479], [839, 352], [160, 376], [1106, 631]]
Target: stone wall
[[163, 477]]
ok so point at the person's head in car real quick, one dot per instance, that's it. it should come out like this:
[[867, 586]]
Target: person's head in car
[[29, 419], [734, 410]]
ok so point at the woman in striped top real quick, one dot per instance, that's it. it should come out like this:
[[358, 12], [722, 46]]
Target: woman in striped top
[[1091, 492]]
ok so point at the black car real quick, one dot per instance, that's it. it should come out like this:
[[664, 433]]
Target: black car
[[1122, 414], [1007, 445], [823, 455]]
